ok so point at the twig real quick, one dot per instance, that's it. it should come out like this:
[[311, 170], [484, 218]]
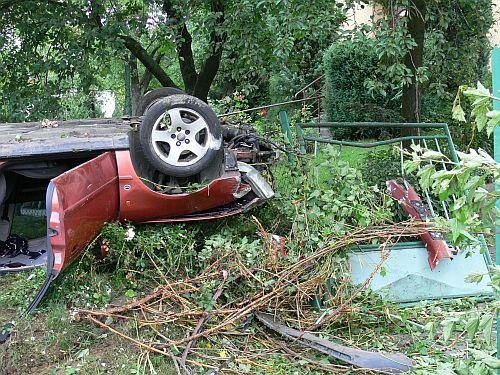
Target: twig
[[203, 319]]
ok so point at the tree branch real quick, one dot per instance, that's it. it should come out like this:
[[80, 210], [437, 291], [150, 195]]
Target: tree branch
[[149, 63], [146, 77], [184, 48], [212, 63]]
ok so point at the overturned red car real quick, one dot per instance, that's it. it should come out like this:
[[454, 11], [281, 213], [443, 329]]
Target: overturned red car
[[171, 163]]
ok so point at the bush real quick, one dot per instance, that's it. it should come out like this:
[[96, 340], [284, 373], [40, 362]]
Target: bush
[[381, 165], [348, 65]]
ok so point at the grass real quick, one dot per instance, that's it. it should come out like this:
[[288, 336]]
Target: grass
[[29, 227], [50, 342]]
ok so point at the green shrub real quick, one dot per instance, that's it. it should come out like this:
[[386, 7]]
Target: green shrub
[[348, 65], [379, 166]]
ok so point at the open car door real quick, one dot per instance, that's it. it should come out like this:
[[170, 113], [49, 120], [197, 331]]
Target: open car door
[[78, 204]]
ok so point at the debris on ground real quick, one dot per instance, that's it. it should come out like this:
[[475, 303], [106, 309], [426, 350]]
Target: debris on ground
[[171, 320]]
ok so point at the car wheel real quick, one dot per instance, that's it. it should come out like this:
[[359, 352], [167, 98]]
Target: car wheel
[[181, 136], [138, 156], [152, 96]]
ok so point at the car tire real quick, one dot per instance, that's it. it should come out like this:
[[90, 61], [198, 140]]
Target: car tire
[[138, 157], [152, 96], [181, 136]]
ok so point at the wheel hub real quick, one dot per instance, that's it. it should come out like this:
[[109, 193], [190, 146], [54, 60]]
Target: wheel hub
[[184, 139]]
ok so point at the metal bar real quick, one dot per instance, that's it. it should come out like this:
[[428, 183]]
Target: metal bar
[[308, 85], [426, 192], [495, 67], [371, 144], [427, 196], [300, 138], [451, 146], [388, 363], [436, 125], [444, 166]]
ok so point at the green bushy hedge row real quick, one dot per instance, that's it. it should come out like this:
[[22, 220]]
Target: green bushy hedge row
[[347, 65]]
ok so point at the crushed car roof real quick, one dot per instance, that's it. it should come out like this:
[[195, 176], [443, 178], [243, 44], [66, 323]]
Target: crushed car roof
[[21, 140]]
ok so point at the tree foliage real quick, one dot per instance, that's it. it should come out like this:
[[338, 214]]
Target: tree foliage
[[455, 47], [47, 46], [455, 50], [349, 65]]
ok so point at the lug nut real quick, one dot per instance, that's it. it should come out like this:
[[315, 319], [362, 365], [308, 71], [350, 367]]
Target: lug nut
[[187, 141], [178, 143], [172, 136], [179, 129], [187, 132]]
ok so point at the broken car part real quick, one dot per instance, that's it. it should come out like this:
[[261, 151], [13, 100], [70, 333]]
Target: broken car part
[[385, 363], [435, 243]]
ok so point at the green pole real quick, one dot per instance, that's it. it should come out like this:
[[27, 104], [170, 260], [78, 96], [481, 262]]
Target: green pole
[[285, 128], [495, 67]]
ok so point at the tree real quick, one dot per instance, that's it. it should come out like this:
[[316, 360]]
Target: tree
[[412, 93], [178, 43], [430, 45]]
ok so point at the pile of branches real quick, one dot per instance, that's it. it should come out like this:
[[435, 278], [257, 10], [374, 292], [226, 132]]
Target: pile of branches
[[285, 291]]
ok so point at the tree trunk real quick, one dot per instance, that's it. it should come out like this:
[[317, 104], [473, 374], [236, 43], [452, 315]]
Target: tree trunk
[[135, 86], [412, 94], [127, 105], [147, 60]]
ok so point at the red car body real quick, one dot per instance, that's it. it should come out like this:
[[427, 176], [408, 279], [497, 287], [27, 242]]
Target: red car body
[[106, 188]]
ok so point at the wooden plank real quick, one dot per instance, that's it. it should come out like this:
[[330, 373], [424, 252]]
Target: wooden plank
[[61, 137]]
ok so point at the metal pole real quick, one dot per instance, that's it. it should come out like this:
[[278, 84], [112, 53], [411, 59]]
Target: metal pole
[[287, 132], [495, 67], [268, 106]]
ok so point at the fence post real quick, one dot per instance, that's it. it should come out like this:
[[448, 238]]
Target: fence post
[[495, 67], [285, 128]]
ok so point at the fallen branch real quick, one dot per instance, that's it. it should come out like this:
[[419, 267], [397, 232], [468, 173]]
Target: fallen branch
[[283, 288], [203, 319]]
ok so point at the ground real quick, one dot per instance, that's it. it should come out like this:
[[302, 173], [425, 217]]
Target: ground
[[440, 337]]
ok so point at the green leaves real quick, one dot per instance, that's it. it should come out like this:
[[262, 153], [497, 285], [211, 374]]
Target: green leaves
[[464, 182], [482, 102], [493, 121], [485, 358], [486, 325], [448, 327], [472, 326], [458, 113]]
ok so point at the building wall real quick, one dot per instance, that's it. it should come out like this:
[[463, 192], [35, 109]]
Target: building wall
[[495, 29]]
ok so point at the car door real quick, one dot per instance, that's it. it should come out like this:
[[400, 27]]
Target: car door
[[81, 200], [78, 204]]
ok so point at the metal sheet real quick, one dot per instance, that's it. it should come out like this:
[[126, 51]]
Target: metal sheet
[[84, 199], [408, 278]]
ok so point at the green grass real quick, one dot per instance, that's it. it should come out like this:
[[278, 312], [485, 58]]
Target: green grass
[[354, 156], [29, 227], [50, 342]]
